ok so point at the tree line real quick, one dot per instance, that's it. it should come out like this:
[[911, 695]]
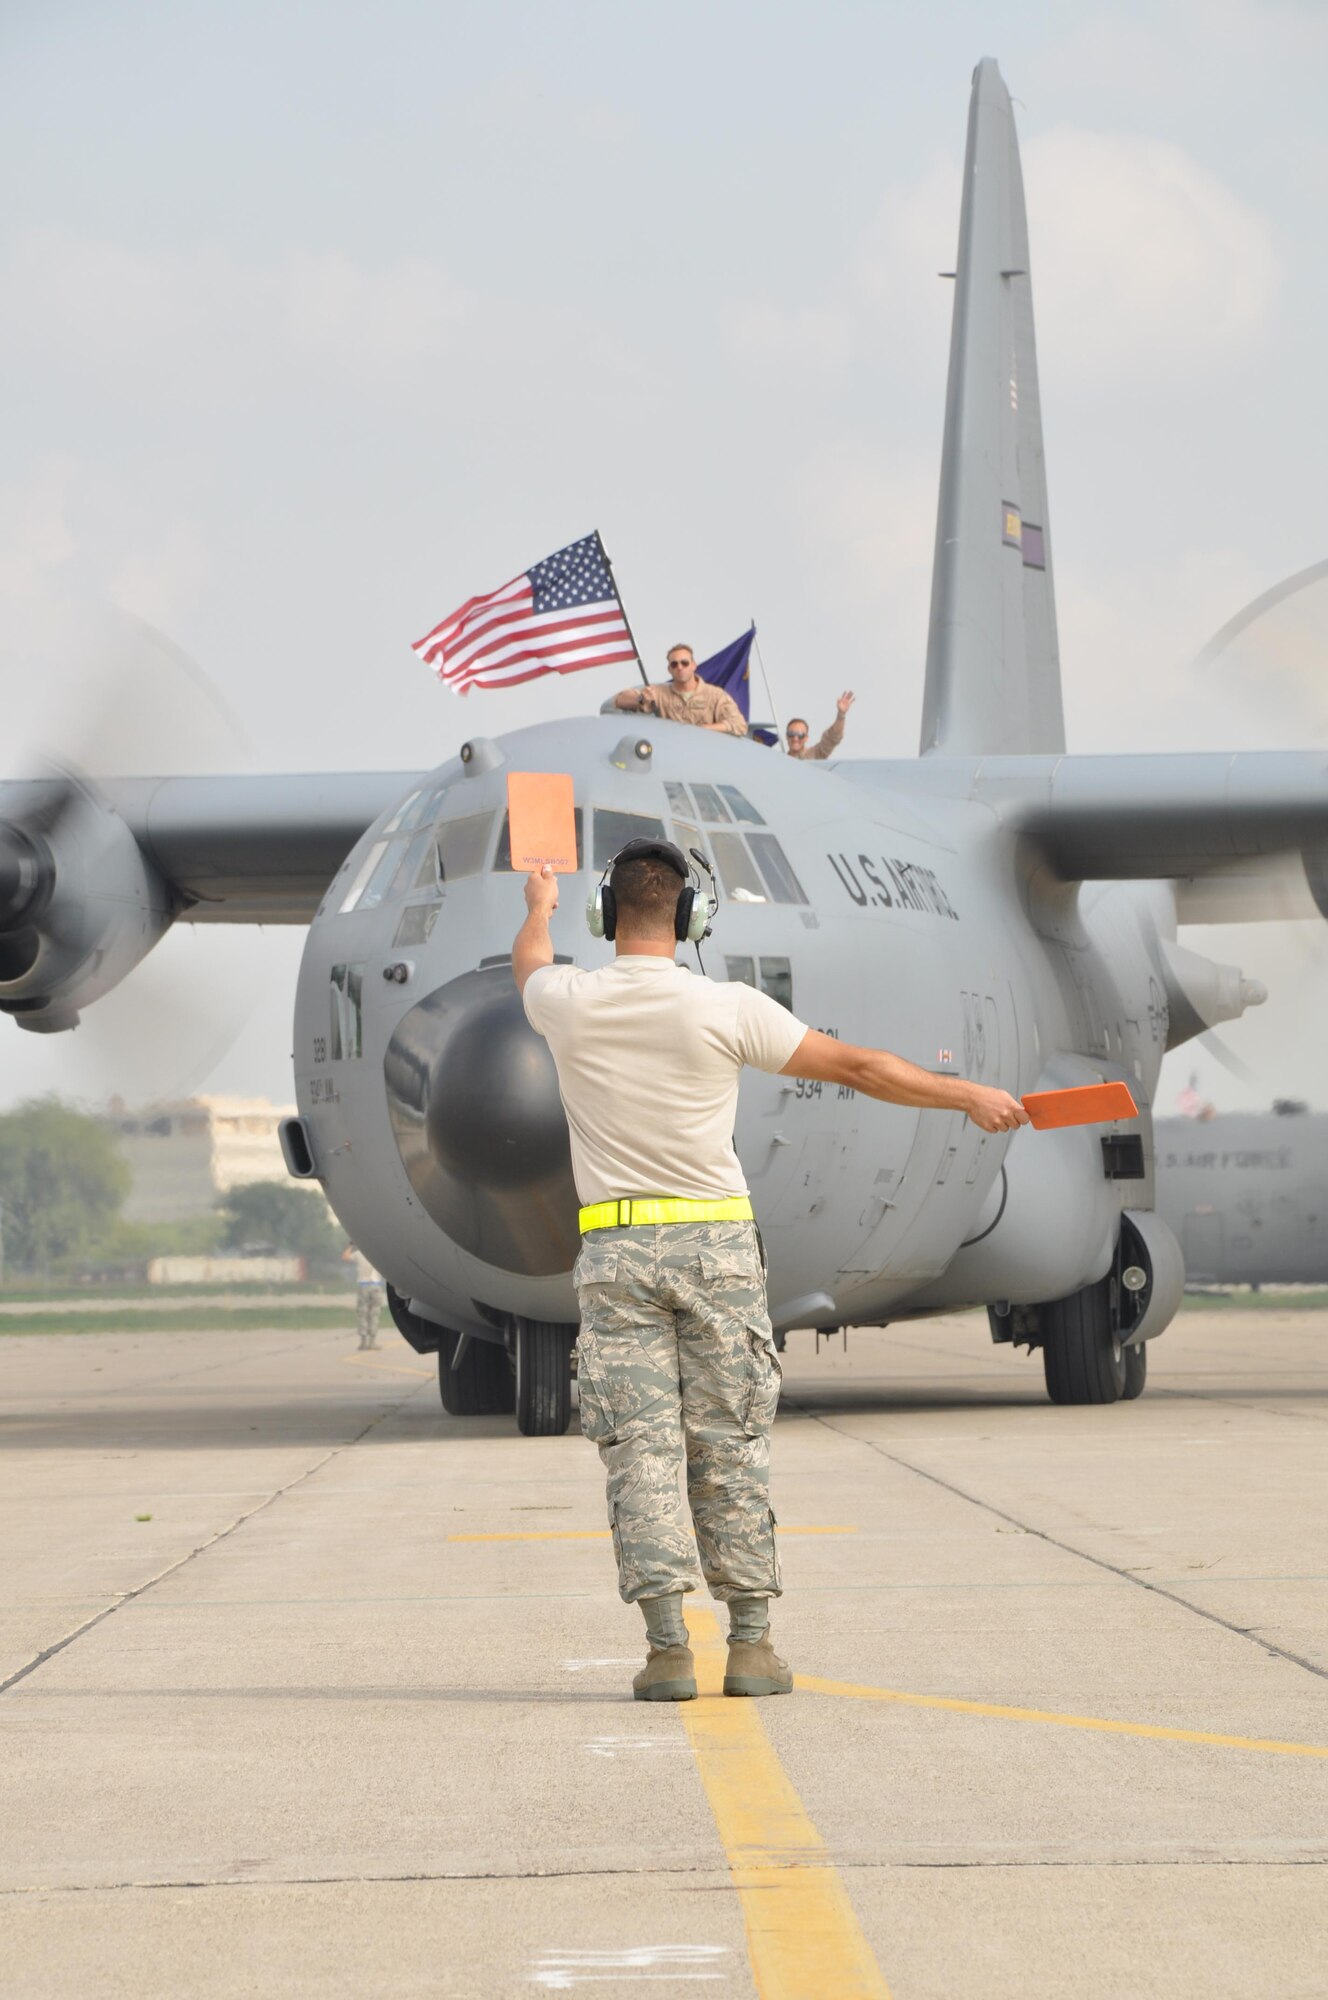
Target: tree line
[[63, 1184]]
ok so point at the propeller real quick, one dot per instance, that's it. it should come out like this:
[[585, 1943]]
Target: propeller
[[115, 698]]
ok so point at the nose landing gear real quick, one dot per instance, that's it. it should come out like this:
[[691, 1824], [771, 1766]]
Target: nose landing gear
[[543, 1351], [525, 1365], [474, 1377]]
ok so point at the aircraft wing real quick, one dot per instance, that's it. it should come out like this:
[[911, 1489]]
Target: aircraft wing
[[1221, 825], [252, 850]]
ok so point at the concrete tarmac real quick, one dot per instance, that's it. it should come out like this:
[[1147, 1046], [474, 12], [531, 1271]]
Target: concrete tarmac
[[312, 1690]]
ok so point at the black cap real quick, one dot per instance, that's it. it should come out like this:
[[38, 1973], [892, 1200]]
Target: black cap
[[653, 850]]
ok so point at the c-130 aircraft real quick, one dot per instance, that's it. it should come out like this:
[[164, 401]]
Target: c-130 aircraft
[[994, 908]]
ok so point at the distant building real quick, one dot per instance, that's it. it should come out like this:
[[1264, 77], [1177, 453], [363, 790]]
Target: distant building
[[185, 1156], [226, 1270]]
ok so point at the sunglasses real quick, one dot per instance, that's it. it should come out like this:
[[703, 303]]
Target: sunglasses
[[796, 735]]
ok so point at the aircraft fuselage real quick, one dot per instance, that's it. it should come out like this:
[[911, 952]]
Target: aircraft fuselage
[[917, 924]]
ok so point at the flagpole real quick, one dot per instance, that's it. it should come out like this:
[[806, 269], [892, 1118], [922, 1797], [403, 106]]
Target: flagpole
[[769, 691], [640, 663]]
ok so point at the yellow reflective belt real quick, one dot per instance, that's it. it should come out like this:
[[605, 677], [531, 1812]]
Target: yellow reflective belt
[[663, 1208]]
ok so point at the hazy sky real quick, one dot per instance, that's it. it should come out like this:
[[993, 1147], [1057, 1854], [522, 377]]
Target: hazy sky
[[321, 317]]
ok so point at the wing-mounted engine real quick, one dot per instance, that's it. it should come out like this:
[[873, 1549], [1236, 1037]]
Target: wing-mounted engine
[[80, 903]]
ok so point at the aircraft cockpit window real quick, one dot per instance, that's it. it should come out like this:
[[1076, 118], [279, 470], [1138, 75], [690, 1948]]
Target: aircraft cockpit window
[[678, 799], [775, 977], [463, 846], [383, 878], [774, 864], [741, 882], [777, 981], [417, 922], [347, 1039], [368, 867], [416, 811], [740, 807], [710, 805], [417, 856], [686, 836], [614, 829], [403, 813], [502, 860]]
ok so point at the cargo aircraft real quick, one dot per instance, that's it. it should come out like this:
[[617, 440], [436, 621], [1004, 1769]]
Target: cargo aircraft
[[994, 907], [1246, 1194]]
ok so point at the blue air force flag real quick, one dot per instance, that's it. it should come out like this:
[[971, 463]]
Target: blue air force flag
[[729, 669]]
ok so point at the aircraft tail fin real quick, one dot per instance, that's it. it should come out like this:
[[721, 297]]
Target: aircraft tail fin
[[993, 667]]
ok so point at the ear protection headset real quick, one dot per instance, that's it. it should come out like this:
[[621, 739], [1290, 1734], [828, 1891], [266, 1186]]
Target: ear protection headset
[[691, 916]]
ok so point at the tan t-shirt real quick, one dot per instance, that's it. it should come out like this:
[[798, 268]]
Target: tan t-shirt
[[704, 705], [648, 1057]]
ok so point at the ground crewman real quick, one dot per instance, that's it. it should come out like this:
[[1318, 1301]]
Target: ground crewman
[[369, 1294], [676, 1355]]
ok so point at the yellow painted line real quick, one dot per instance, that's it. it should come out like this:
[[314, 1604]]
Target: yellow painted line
[[368, 1360], [803, 1940], [1102, 1724], [598, 1534]]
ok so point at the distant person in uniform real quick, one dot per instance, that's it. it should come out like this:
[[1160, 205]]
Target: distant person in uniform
[[369, 1295], [685, 697], [677, 1362], [796, 734]]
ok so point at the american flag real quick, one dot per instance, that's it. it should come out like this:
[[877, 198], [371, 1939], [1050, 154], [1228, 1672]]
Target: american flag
[[559, 616]]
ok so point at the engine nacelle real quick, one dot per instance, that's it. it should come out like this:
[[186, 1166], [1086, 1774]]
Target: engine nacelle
[[80, 903], [1152, 1276]]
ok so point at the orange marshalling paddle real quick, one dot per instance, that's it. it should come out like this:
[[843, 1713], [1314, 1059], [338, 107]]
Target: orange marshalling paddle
[[542, 821], [1091, 1104]]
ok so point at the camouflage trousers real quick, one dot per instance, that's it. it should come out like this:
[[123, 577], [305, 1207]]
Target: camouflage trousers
[[368, 1304], [677, 1367]]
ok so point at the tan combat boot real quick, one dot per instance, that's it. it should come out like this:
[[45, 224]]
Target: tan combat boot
[[754, 1667], [669, 1674]]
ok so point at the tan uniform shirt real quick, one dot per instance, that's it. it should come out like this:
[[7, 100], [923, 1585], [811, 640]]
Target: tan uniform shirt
[[827, 746], [705, 704], [648, 1056]]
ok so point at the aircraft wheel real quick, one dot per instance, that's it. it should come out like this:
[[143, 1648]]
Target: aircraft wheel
[[543, 1377], [1082, 1356], [481, 1386], [1136, 1371]]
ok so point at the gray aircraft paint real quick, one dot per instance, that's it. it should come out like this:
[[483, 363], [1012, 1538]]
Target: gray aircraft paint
[[993, 668], [994, 908]]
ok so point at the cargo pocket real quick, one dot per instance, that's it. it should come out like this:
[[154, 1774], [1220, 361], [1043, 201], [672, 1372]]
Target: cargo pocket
[[592, 1390], [766, 1379], [597, 1264], [596, 1267]]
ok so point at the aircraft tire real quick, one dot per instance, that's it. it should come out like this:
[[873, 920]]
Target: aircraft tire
[[1082, 1357], [1136, 1371], [543, 1377], [481, 1386]]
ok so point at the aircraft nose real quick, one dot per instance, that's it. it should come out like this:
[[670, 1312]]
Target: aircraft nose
[[472, 1094]]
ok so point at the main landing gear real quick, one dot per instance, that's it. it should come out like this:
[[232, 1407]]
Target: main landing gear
[[526, 1367], [1083, 1355], [1087, 1352]]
